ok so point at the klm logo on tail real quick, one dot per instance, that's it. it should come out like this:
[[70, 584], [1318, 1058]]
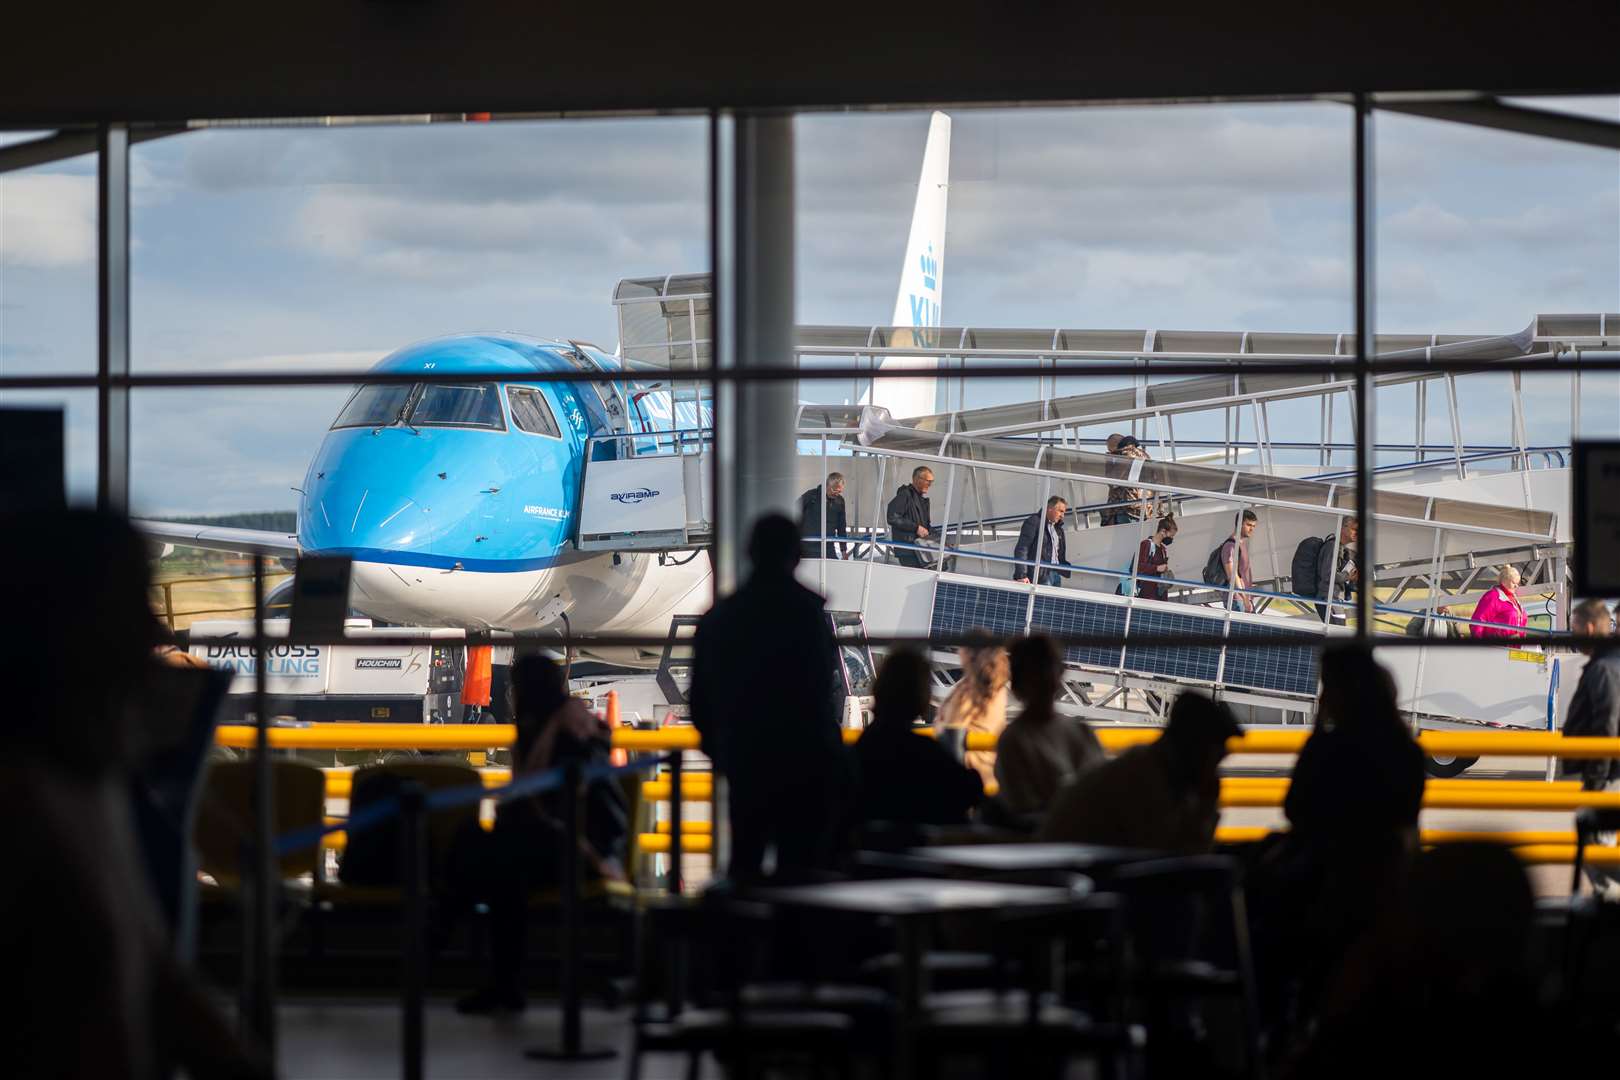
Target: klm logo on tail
[[924, 309], [924, 312]]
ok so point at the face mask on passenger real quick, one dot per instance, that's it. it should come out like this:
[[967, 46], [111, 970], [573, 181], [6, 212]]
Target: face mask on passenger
[[1169, 540]]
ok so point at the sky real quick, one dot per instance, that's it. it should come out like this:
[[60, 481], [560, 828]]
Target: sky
[[327, 248]]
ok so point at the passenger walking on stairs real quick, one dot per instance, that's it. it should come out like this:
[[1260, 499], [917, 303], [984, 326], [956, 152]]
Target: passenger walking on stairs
[[1040, 751], [909, 515], [903, 775], [1228, 565], [762, 697], [977, 704], [1500, 606], [1041, 541], [810, 525], [1316, 568], [1595, 711], [1153, 560]]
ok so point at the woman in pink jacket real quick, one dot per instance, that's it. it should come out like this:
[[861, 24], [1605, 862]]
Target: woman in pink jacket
[[1501, 606]]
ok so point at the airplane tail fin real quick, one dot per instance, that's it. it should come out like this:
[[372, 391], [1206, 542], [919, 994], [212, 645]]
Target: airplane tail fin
[[922, 279]]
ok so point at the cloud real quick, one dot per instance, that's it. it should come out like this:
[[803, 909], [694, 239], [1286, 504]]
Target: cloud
[[47, 220]]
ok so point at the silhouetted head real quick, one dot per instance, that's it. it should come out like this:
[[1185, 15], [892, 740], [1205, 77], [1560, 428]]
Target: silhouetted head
[[79, 635], [900, 693], [984, 663], [773, 546], [1591, 618], [538, 687], [538, 690], [1037, 669], [1358, 693], [1195, 736]]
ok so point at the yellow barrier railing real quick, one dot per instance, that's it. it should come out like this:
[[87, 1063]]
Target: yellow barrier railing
[[1534, 846], [483, 736]]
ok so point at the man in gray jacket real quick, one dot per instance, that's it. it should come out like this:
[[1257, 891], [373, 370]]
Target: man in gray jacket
[[1595, 711]]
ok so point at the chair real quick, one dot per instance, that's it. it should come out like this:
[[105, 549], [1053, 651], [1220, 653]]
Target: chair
[[1189, 941], [223, 832], [723, 943], [1590, 928], [1014, 1028], [369, 868], [225, 814]]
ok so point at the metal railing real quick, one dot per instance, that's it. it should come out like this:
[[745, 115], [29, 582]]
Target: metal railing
[[169, 614]]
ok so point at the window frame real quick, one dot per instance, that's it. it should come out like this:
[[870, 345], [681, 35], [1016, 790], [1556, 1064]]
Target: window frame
[[556, 428], [420, 391], [410, 402]]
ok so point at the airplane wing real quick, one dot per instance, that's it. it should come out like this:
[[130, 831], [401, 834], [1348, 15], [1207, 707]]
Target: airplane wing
[[214, 538]]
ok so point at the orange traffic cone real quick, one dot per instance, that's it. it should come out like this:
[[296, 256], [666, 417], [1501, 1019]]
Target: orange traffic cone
[[620, 756]]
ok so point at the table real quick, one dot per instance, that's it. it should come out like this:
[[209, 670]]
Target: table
[[910, 902], [1030, 858]]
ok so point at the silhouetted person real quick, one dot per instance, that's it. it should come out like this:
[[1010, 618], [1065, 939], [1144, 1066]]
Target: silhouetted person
[[762, 696], [1352, 809], [1449, 949], [1039, 750], [904, 775], [1595, 711], [810, 525], [92, 986], [525, 850], [1164, 795], [977, 704]]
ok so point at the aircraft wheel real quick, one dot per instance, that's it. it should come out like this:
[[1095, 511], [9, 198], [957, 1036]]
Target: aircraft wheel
[[1446, 766]]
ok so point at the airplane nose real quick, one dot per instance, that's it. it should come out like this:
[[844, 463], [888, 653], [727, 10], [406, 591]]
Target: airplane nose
[[367, 496]]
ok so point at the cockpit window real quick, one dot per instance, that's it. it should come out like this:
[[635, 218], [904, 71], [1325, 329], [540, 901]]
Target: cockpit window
[[531, 413], [446, 405], [374, 406]]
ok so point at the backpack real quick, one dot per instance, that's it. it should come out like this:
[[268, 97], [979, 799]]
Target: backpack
[[1215, 567], [1303, 570]]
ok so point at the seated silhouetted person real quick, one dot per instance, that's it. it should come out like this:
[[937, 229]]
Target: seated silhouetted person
[[1164, 795], [525, 850], [92, 986], [1352, 810], [1039, 751], [762, 695], [906, 776]]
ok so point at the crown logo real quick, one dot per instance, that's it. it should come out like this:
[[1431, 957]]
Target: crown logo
[[930, 268]]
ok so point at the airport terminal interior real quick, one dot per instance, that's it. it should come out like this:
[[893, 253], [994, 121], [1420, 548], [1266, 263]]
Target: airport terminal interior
[[529, 573]]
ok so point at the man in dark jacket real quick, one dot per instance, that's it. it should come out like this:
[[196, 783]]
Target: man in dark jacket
[[1595, 711], [762, 699], [1341, 572], [909, 516], [1043, 528], [810, 504]]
